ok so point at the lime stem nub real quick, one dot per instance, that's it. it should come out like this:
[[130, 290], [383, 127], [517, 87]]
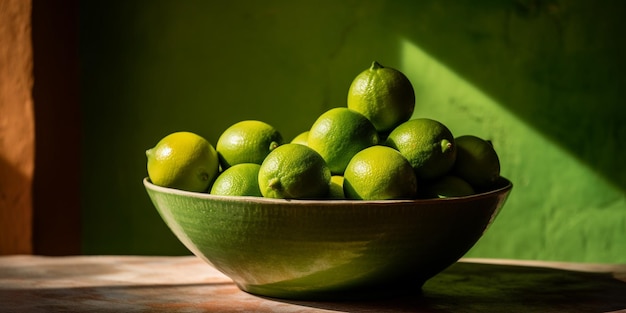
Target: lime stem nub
[[375, 66], [274, 145], [445, 145], [275, 184]]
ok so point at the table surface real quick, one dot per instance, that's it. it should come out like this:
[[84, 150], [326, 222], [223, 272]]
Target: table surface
[[187, 284]]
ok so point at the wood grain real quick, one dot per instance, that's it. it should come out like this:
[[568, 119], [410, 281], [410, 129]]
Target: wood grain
[[188, 284]]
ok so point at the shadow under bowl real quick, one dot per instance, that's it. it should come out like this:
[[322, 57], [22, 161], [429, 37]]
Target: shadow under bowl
[[327, 249]]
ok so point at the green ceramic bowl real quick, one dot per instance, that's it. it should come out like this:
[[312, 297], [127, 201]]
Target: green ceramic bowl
[[321, 249]]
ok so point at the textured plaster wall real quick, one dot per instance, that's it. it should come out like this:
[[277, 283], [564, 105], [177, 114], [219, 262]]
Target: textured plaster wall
[[17, 127], [541, 79]]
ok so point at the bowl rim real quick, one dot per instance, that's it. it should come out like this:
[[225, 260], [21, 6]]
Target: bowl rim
[[507, 185]]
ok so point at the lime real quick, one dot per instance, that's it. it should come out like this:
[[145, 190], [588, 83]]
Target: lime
[[447, 187], [384, 95], [427, 144], [379, 173], [336, 187], [301, 138], [238, 180], [477, 162], [338, 134], [294, 171], [247, 141], [183, 160]]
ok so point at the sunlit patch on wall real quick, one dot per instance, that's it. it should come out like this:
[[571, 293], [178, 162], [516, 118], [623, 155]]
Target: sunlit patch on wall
[[554, 210]]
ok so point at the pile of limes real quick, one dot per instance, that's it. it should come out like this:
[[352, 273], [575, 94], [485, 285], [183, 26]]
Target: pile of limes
[[370, 149]]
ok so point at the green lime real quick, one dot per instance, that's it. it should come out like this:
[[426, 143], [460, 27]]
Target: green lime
[[447, 187], [427, 144], [238, 180], [338, 134], [294, 171], [301, 138], [379, 173], [477, 162], [247, 141], [384, 95], [183, 160], [336, 187]]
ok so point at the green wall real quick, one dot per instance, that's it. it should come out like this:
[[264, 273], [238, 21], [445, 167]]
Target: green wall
[[543, 80]]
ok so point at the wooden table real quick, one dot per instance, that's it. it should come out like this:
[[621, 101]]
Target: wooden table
[[187, 284]]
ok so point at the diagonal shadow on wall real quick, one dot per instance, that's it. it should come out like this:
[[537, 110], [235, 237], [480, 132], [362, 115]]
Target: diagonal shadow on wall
[[556, 65]]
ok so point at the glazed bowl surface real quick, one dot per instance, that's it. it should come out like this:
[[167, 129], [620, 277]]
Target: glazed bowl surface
[[327, 249]]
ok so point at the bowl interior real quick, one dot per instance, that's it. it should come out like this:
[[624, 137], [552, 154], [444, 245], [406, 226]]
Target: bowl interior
[[313, 249]]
